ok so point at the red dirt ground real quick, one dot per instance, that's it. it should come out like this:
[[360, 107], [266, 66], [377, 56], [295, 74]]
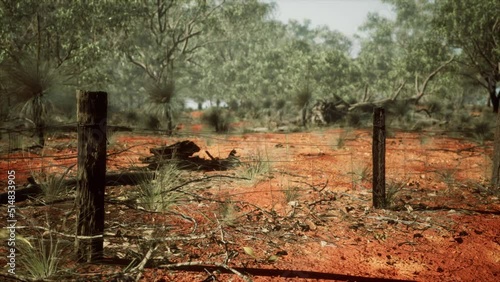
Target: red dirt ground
[[310, 216]]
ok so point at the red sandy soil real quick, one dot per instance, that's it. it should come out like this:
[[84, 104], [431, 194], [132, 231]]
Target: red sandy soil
[[444, 224]]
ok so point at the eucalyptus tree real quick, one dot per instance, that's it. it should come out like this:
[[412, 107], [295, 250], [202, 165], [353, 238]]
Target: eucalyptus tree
[[397, 52], [165, 35], [472, 28], [228, 68]]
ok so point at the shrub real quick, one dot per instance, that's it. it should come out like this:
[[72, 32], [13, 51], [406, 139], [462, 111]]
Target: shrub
[[219, 119], [152, 122]]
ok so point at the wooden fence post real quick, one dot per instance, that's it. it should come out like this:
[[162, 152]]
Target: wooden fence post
[[495, 175], [378, 153], [92, 123]]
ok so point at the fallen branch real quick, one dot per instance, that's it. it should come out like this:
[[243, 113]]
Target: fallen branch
[[140, 267]]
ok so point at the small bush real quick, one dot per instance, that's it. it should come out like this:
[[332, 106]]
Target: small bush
[[357, 119], [152, 122], [219, 119], [131, 117]]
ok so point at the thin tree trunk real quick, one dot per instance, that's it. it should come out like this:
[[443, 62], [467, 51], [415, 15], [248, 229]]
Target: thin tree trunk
[[170, 122], [495, 101], [38, 118], [304, 116]]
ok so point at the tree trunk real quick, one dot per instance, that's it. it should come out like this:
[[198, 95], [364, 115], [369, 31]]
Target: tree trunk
[[492, 85], [38, 119], [170, 119], [304, 116], [91, 176]]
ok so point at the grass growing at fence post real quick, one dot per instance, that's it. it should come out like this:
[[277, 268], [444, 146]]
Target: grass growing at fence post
[[52, 185], [360, 174], [392, 190]]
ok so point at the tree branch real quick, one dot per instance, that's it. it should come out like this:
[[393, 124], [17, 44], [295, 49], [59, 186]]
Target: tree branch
[[420, 93], [143, 66]]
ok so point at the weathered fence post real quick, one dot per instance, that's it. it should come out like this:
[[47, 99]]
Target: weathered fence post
[[92, 122], [378, 153], [495, 175]]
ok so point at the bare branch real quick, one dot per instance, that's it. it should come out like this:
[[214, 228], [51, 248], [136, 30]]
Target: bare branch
[[142, 66], [421, 93], [398, 91]]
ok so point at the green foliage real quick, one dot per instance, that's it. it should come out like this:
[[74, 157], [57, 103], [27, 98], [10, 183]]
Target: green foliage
[[303, 97], [131, 117], [472, 29], [236, 52]]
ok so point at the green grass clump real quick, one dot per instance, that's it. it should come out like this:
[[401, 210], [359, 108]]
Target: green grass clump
[[392, 189], [256, 166], [40, 260], [160, 191]]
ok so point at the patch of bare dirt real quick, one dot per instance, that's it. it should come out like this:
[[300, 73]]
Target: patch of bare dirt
[[309, 216]]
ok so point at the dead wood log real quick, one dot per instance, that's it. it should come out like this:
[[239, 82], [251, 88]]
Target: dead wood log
[[181, 155], [180, 150]]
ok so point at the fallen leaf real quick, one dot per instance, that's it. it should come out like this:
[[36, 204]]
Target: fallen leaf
[[249, 251]]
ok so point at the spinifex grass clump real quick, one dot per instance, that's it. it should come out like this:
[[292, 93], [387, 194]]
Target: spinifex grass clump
[[228, 212], [161, 190], [41, 259], [52, 184], [256, 166], [392, 190], [151, 122]]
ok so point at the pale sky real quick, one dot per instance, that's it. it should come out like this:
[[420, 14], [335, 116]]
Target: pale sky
[[343, 15]]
